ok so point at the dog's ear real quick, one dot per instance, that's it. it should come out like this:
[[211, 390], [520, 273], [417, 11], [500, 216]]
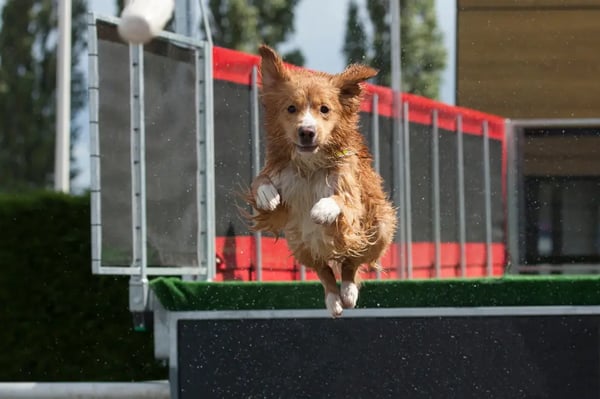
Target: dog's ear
[[272, 69], [349, 81]]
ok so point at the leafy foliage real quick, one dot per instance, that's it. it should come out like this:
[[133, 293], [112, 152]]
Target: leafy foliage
[[244, 24], [355, 45], [422, 52], [28, 45], [60, 322]]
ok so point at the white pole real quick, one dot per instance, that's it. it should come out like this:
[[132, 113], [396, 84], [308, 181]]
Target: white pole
[[186, 18], [399, 161], [90, 390], [396, 43], [63, 99]]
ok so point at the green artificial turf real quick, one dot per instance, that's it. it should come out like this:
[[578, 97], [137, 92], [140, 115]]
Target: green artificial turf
[[177, 295]]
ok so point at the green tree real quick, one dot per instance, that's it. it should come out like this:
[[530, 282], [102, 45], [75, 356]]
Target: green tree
[[355, 43], [28, 90], [244, 24], [380, 43], [423, 53]]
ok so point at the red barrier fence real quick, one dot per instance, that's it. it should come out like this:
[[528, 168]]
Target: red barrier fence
[[237, 253]]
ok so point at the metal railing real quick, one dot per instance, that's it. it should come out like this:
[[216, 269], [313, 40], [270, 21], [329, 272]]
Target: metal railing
[[403, 195]]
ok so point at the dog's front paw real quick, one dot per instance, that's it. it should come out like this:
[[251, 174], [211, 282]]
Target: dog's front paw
[[267, 197], [349, 294], [334, 304], [325, 211]]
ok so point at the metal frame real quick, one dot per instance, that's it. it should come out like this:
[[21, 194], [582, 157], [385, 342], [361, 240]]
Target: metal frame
[[206, 161], [515, 189], [174, 317], [205, 146], [93, 98], [138, 283]]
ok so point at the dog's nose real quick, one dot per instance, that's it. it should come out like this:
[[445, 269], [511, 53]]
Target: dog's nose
[[306, 135]]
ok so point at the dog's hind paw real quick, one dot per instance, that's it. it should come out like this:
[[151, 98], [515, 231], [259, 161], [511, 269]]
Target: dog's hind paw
[[349, 294], [325, 211], [267, 197], [334, 304]]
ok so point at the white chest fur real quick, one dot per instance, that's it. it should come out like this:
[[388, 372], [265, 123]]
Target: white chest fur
[[300, 194]]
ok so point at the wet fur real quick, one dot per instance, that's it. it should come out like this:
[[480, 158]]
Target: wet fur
[[340, 169]]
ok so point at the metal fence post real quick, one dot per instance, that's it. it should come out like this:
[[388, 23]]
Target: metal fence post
[[255, 135], [375, 133], [460, 171], [487, 189], [435, 191], [512, 198], [375, 146], [399, 165], [407, 190], [397, 152]]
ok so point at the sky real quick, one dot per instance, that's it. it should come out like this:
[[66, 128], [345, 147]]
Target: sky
[[320, 36], [319, 33]]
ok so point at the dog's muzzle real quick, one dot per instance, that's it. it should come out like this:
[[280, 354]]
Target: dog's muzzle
[[307, 138]]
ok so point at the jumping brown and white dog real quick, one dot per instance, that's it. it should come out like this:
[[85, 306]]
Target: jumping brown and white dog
[[318, 185]]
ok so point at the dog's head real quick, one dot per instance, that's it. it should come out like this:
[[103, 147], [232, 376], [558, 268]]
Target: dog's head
[[304, 108]]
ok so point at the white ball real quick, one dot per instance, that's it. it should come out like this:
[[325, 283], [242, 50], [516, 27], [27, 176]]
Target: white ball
[[141, 20]]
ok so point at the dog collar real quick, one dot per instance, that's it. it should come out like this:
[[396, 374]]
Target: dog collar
[[344, 153]]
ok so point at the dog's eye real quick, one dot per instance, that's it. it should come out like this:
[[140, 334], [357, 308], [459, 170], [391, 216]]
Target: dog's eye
[[324, 109], [291, 109]]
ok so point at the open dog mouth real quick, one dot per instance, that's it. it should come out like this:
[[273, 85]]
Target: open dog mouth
[[307, 148]]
